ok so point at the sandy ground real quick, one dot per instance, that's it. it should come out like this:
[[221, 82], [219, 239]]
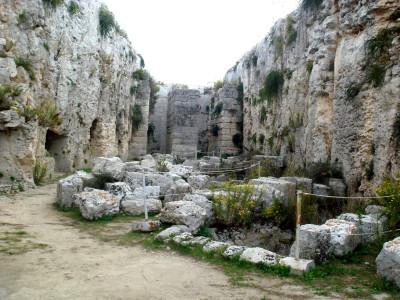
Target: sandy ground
[[60, 261]]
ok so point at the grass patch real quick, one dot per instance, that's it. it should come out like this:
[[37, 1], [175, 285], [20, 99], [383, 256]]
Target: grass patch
[[17, 242], [73, 8], [27, 65]]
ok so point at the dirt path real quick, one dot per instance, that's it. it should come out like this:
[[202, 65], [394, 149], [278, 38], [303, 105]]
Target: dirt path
[[59, 261]]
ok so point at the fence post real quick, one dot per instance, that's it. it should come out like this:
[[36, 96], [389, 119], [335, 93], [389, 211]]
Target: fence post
[[195, 154], [146, 216], [298, 223], [259, 169]]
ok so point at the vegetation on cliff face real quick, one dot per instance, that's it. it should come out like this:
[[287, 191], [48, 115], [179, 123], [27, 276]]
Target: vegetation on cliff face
[[272, 87]]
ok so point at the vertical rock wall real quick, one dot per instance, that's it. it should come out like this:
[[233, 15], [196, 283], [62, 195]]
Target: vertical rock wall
[[157, 143], [88, 76], [329, 97]]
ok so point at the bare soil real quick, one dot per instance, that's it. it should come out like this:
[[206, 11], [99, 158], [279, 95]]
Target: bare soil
[[44, 255]]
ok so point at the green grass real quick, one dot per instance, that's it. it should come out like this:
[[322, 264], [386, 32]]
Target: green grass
[[106, 21], [17, 242], [27, 65]]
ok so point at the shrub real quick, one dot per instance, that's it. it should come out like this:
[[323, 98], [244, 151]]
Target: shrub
[[27, 65], [236, 208], [215, 130], [267, 169], [218, 85], [352, 91], [291, 140], [139, 75], [22, 18], [389, 187], [53, 3], [48, 114], [39, 172], [378, 54], [46, 46], [309, 67], [312, 4], [261, 139], [162, 166], [237, 140], [106, 21], [28, 112], [254, 138], [276, 213], [272, 86], [290, 32], [73, 8], [150, 130], [8, 96], [218, 109], [137, 117]]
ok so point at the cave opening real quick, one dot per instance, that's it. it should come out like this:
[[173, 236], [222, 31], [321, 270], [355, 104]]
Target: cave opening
[[56, 146]]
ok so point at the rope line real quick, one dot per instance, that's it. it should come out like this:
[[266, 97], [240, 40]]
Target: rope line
[[342, 197]]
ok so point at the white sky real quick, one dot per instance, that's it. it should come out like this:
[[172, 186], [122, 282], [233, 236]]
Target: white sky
[[195, 42]]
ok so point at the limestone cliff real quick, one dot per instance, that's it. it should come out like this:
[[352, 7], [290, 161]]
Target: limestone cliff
[[64, 51], [324, 86]]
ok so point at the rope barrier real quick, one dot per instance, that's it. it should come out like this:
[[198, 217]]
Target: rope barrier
[[342, 197]]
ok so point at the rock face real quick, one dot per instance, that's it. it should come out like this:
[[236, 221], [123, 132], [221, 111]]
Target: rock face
[[323, 101], [388, 261], [88, 76]]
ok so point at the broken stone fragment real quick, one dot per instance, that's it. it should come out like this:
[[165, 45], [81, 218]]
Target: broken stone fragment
[[108, 167], [388, 261], [259, 255], [172, 231]]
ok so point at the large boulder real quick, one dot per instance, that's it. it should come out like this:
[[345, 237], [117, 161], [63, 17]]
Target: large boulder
[[265, 194], [133, 203], [149, 162], [112, 167], [198, 182], [344, 236], [177, 191], [214, 246], [287, 188], [184, 213], [314, 243], [94, 204], [119, 189], [259, 256], [182, 171], [232, 251], [164, 181], [201, 201], [302, 183], [71, 185], [388, 261], [369, 226], [134, 179]]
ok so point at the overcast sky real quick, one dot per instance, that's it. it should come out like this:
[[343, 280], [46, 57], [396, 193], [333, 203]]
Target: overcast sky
[[195, 42]]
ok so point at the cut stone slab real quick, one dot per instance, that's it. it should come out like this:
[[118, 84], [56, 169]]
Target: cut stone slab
[[164, 181], [184, 213], [198, 181], [148, 162], [134, 179], [134, 206], [199, 241], [344, 236], [171, 232], [388, 261], [71, 185], [119, 189], [338, 187], [320, 189], [369, 226], [258, 255], [314, 243], [147, 191], [302, 183], [287, 188], [95, 204], [297, 266], [265, 194], [202, 202], [112, 167], [182, 171], [145, 226], [177, 191], [183, 238], [232, 251], [214, 246]]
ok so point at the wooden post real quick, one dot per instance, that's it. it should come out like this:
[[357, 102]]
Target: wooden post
[[146, 215], [298, 224], [259, 169]]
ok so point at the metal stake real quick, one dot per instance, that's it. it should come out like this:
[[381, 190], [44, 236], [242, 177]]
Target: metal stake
[[146, 216], [298, 222]]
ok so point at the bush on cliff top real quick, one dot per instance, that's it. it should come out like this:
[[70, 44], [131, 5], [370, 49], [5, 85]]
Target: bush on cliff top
[[73, 8], [53, 3], [139, 75], [106, 21], [311, 4]]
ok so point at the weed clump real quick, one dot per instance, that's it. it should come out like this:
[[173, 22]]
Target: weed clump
[[39, 172], [73, 8], [272, 87], [53, 3], [106, 21], [48, 114], [27, 65], [139, 75]]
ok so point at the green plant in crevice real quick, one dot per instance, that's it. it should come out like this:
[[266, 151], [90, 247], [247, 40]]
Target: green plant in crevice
[[378, 54], [27, 65], [162, 166], [133, 90], [39, 172], [142, 63], [48, 114], [254, 138], [106, 21], [154, 89], [261, 139], [73, 8], [290, 31], [218, 85], [53, 3], [22, 18], [136, 117], [150, 132], [352, 91], [272, 87], [218, 109], [391, 187], [263, 114], [309, 67], [8, 96], [240, 90], [278, 43]]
